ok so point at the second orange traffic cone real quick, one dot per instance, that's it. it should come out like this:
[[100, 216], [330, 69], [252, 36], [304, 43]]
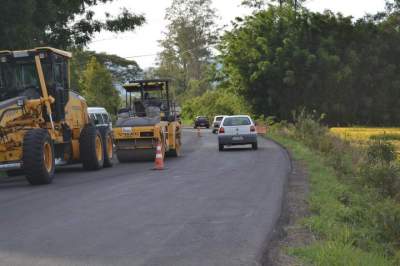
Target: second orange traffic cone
[[159, 162]]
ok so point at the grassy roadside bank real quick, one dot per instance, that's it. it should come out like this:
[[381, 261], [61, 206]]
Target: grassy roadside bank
[[352, 221]]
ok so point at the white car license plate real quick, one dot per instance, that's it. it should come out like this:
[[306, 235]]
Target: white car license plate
[[237, 138]]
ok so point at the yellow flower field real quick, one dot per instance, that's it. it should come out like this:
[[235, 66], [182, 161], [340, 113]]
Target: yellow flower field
[[361, 135]]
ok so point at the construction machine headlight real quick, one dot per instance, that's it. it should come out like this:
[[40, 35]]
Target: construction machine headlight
[[20, 102], [3, 59]]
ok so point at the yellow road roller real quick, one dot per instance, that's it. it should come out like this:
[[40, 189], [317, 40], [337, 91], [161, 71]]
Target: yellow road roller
[[149, 119]]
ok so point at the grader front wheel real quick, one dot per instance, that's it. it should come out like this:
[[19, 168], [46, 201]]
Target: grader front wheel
[[38, 157]]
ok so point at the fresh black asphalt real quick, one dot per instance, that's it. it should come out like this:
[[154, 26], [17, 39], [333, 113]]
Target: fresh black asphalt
[[207, 208]]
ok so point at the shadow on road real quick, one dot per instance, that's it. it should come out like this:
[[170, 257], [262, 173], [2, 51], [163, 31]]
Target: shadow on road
[[21, 182], [13, 182]]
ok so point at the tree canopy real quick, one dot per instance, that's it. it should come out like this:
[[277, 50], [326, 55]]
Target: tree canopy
[[97, 87], [122, 70], [62, 24], [280, 60]]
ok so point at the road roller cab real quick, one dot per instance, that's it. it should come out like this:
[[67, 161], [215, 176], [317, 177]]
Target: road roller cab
[[149, 119], [43, 122]]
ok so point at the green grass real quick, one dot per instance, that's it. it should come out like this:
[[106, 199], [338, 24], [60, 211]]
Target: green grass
[[342, 218], [187, 122]]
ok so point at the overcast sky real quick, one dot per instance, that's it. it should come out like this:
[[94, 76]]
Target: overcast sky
[[142, 44]]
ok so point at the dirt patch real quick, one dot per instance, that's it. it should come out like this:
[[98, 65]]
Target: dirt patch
[[289, 233]]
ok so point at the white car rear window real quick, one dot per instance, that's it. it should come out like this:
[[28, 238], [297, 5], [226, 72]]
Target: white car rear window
[[219, 118], [237, 121]]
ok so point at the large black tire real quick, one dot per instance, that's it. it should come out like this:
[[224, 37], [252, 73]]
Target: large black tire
[[38, 157], [108, 146], [91, 152]]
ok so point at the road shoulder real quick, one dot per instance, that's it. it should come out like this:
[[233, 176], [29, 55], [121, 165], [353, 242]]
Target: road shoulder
[[289, 233]]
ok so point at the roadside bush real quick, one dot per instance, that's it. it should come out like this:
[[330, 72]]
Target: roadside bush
[[380, 170], [381, 152], [308, 128], [383, 177]]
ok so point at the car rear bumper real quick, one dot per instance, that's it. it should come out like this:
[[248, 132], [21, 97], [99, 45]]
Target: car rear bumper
[[234, 139]]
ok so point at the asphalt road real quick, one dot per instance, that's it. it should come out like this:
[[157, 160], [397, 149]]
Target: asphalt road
[[206, 208]]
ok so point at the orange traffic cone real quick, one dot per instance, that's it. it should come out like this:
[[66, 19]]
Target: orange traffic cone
[[159, 162]]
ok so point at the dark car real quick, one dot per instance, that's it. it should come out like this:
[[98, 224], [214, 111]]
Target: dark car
[[201, 121]]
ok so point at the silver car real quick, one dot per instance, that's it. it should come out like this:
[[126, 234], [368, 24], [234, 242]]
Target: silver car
[[217, 122], [237, 130]]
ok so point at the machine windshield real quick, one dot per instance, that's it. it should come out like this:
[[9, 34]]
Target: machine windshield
[[19, 79]]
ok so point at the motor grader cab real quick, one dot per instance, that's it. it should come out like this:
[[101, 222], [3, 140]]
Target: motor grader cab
[[149, 118], [43, 122]]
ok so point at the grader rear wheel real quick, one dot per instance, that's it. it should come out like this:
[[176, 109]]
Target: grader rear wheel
[[38, 157], [91, 148], [108, 146]]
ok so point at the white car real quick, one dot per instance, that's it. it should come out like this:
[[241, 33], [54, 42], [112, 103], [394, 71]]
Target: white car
[[217, 122], [100, 117], [237, 130]]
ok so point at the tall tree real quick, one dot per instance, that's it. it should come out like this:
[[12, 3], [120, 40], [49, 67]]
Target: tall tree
[[187, 45], [29, 23], [97, 87]]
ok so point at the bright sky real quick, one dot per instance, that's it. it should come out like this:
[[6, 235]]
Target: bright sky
[[142, 44]]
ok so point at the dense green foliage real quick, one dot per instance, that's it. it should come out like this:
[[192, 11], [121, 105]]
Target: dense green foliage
[[97, 87], [214, 102], [62, 24], [279, 60], [107, 72], [121, 69], [354, 196]]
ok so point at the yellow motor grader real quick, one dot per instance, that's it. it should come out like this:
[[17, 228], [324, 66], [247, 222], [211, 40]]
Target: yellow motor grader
[[42, 122], [149, 119]]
